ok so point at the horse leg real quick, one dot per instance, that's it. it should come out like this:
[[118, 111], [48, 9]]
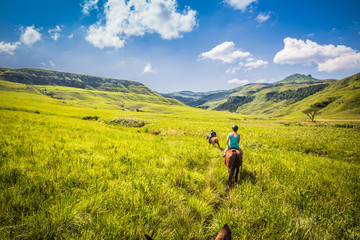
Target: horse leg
[[236, 174], [230, 176]]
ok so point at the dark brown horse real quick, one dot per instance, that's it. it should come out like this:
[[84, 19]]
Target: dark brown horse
[[213, 140], [224, 234], [233, 161]]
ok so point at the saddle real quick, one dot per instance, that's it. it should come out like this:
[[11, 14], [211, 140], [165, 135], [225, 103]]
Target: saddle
[[238, 152]]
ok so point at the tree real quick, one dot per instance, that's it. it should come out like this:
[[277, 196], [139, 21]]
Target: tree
[[312, 112]]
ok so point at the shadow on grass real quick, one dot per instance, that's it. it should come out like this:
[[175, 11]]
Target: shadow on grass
[[246, 175]]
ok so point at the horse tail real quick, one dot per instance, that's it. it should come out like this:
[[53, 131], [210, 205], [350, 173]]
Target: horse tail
[[233, 164]]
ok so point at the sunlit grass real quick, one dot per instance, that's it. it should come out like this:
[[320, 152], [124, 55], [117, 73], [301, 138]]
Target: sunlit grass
[[62, 177]]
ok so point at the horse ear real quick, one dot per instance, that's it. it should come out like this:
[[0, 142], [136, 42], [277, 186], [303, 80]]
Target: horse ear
[[148, 237], [224, 234]]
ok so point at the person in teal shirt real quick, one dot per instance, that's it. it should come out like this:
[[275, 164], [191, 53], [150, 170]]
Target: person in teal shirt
[[233, 139]]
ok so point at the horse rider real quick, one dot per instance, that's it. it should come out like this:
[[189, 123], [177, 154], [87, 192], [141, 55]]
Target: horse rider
[[212, 134], [233, 139]]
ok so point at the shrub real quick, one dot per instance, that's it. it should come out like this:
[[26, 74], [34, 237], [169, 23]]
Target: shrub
[[90, 118], [127, 122]]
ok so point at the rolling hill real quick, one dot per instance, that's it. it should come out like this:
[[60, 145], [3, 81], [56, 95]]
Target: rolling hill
[[286, 98], [82, 89], [45, 77]]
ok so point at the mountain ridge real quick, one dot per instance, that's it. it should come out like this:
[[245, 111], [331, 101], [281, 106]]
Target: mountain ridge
[[35, 76], [285, 98], [289, 96]]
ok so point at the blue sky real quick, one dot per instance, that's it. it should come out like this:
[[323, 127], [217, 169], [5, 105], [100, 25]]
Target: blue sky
[[173, 45]]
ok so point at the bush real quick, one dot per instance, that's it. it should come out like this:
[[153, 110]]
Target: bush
[[90, 118], [127, 122]]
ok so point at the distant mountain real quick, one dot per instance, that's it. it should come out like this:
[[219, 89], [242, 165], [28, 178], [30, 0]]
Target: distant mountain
[[196, 99], [301, 79], [46, 77], [286, 97]]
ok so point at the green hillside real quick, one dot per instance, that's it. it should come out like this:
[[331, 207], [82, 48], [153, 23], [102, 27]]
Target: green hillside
[[285, 98], [341, 100], [46, 77], [302, 79]]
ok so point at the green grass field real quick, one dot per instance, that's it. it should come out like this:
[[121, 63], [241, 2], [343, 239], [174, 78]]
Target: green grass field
[[144, 166]]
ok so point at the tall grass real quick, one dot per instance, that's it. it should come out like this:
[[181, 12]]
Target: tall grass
[[62, 177]]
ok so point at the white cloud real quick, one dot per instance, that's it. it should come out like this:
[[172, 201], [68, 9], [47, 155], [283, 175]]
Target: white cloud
[[237, 81], [71, 36], [240, 4], [342, 63], [250, 64], [137, 18], [329, 58], [263, 17], [256, 64], [30, 36], [311, 34], [8, 48], [88, 5], [52, 63], [148, 69], [225, 52], [261, 80], [55, 32]]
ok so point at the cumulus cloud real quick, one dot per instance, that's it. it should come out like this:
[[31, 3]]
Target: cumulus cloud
[[55, 32], [137, 18], [52, 63], [341, 63], [71, 36], [30, 36], [149, 69], [240, 4], [262, 80], [8, 48], [250, 64], [255, 64], [263, 17], [329, 58], [225, 52], [237, 81], [88, 5]]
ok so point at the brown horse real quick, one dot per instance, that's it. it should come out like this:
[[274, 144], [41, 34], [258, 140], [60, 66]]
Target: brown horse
[[224, 234], [233, 161], [213, 140]]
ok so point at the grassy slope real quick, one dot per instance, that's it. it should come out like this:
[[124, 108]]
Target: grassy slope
[[46, 77], [62, 177], [346, 106], [347, 92]]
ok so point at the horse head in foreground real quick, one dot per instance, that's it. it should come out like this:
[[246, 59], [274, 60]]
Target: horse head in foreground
[[213, 141], [233, 161], [224, 234]]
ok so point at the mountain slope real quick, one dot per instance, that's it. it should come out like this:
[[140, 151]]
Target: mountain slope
[[46, 77], [341, 99], [82, 90], [301, 79], [288, 97]]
